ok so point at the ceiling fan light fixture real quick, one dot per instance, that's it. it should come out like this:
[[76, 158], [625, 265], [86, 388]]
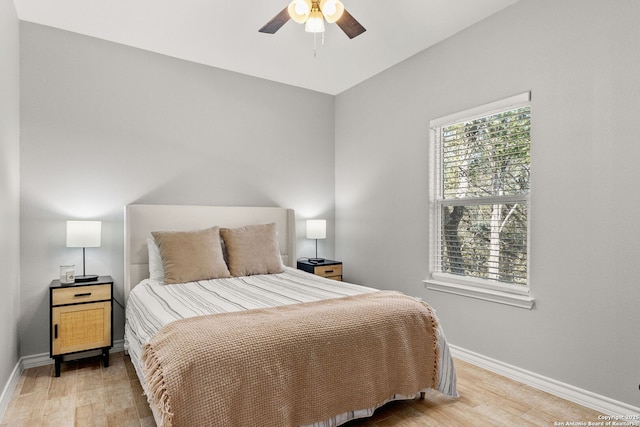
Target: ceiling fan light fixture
[[299, 10], [332, 10], [315, 22], [312, 13]]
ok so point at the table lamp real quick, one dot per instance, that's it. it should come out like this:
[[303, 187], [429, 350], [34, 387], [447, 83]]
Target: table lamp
[[84, 234], [316, 229]]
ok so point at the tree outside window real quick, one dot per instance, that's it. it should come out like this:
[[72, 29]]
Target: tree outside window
[[483, 168]]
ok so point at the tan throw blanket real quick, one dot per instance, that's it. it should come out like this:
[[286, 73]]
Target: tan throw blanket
[[291, 365]]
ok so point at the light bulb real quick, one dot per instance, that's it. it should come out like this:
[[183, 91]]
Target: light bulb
[[315, 22], [299, 10], [302, 8], [332, 10], [328, 7]]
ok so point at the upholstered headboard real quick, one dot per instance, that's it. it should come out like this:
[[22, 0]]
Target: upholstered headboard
[[141, 220]]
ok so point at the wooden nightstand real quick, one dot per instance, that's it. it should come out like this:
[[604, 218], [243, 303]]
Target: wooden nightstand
[[81, 318], [326, 268]]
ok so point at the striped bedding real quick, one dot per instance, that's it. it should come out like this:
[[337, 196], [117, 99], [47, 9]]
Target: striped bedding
[[152, 305]]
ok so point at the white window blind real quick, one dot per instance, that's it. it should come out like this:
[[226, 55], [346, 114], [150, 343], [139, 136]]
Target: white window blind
[[482, 168]]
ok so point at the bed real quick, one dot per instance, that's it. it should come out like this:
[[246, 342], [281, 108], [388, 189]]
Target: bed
[[268, 344]]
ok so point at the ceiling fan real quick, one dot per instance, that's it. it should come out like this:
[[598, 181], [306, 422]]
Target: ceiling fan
[[312, 13]]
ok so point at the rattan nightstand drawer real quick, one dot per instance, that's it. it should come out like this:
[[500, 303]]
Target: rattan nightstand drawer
[[81, 294], [329, 270], [324, 267]]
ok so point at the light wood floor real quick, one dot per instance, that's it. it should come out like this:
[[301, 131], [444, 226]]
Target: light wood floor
[[88, 395]]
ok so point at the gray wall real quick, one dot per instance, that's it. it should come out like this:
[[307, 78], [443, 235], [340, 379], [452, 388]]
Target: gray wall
[[9, 188], [581, 60], [104, 125]]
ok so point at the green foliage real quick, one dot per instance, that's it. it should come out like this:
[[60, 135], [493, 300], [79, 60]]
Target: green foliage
[[488, 157]]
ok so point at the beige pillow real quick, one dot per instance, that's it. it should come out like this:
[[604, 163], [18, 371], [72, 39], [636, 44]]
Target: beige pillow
[[252, 249], [188, 256]]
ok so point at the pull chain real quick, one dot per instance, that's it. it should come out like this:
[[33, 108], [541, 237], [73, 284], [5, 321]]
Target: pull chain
[[315, 43]]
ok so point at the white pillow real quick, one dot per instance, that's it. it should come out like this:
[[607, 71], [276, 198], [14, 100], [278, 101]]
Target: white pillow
[[156, 270]]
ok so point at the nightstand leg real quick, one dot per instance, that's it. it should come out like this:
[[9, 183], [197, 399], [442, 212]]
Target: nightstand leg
[[58, 361], [105, 357]]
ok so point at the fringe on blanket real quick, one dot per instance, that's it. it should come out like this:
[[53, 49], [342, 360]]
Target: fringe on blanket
[[436, 347], [156, 386]]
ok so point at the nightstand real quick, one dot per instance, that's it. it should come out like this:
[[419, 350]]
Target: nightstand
[[325, 268], [81, 318]]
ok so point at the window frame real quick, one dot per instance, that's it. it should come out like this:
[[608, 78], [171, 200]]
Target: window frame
[[488, 290]]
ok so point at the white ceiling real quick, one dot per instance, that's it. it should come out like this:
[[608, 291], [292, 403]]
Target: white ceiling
[[224, 33]]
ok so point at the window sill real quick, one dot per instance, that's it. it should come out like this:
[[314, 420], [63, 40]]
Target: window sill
[[501, 297]]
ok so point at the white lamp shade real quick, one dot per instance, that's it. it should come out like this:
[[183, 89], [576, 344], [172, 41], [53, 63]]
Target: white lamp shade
[[84, 234], [316, 229]]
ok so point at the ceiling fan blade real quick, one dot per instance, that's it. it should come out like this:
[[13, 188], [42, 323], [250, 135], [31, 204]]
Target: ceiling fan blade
[[278, 21], [349, 25]]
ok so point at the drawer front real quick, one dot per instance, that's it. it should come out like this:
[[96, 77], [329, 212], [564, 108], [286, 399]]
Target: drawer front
[[329, 270], [81, 294]]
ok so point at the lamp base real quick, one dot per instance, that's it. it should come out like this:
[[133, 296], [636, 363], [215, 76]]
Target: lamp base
[[315, 260], [87, 278]]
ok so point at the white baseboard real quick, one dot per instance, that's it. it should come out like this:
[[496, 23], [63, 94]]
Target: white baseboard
[[582, 397], [9, 388], [32, 361], [44, 358]]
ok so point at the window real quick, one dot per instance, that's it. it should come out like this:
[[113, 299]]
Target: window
[[480, 199]]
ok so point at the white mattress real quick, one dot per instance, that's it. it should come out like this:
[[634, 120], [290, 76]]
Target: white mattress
[[152, 305]]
